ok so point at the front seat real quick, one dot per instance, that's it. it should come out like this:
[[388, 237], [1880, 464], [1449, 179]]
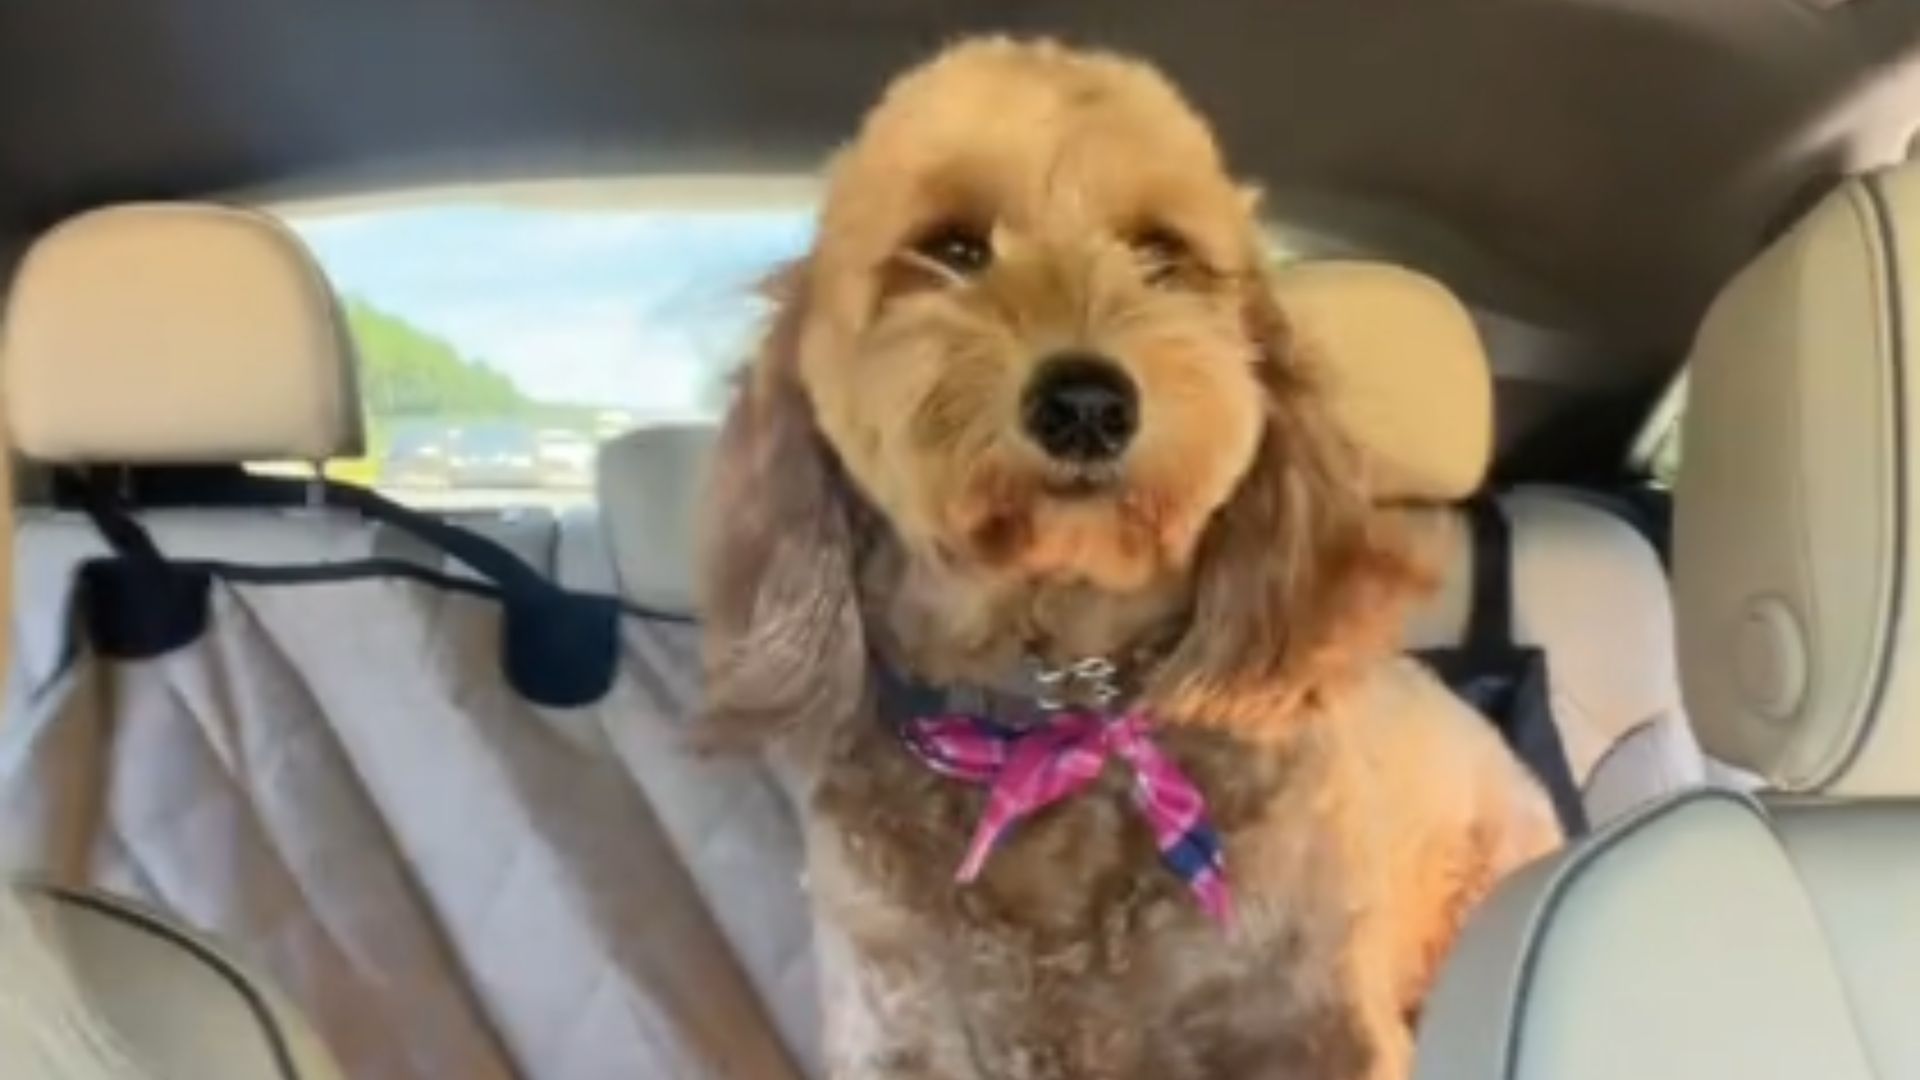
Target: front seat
[[167, 1001], [1716, 935], [93, 987]]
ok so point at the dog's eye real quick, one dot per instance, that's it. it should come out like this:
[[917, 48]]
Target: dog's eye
[[1163, 253], [960, 248]]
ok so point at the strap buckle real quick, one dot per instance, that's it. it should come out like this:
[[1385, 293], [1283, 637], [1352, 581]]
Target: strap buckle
[[1089, 681]]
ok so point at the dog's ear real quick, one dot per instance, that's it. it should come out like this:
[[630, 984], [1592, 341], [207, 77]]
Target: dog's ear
[[782, 642], [1300, 571]]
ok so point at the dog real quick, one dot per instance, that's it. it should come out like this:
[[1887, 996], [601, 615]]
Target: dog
[[1027, 429]]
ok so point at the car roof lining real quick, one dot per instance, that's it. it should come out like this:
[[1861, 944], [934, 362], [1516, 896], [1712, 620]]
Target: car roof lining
[[1594, 167]]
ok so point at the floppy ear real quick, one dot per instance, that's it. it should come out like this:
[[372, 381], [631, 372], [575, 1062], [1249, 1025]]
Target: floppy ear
[[1300, 572], [782, 643]]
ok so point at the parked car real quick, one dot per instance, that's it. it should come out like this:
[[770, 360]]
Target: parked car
[[566, 459], [416, 457], [494, 455]]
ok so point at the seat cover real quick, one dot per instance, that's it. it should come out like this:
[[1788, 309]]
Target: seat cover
[[364, 760], [342, 770]]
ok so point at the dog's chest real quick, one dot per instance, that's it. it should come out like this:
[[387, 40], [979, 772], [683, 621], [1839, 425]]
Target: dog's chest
[[1077, 952]]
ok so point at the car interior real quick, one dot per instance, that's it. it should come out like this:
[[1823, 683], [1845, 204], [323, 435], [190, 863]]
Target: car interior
[[360, 363]]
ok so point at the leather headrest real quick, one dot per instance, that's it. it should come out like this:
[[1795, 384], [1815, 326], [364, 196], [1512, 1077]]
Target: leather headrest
[[172, 333], [1797, 514], [649, 495], [1406, 370]]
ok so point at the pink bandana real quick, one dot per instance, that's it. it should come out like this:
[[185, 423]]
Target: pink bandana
[[1028, 769]]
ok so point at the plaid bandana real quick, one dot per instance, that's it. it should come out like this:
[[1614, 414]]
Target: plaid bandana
[[1030, 768]]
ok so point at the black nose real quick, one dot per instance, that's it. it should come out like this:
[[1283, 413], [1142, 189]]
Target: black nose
[[1081, 408]]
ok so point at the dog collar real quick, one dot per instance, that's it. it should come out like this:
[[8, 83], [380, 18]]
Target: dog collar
[[1059, 751]]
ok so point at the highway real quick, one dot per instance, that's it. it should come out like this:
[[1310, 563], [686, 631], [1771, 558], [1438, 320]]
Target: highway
[[441, 500]]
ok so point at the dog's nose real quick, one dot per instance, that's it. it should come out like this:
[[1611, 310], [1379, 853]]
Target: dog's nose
[[1081, 408]]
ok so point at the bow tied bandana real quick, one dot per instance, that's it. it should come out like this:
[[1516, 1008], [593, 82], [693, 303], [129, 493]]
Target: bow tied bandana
[[1028, 769]]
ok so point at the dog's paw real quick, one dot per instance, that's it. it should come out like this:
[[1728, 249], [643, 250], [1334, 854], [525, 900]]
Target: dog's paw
[[898, 1063]]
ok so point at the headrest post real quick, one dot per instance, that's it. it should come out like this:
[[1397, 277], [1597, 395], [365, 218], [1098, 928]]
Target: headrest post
[[317, 485]]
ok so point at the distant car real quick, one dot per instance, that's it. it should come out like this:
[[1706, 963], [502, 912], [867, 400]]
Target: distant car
[[416, 457], [612, 423], [566, 459], [495, 455]]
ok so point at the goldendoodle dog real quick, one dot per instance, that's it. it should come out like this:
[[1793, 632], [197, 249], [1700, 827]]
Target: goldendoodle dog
[[1033, 544]]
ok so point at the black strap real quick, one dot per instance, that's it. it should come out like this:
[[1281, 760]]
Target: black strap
[[1508, 683], [137, 605], [561, 648], [222, 487], [110, 517], [1490, 622]]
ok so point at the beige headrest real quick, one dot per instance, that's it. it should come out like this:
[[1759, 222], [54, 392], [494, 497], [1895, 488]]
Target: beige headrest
[[176, 334], [649, 484], [1407, 371], [1795, 516]]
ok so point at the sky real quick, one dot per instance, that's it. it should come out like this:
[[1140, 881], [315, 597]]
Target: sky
[[626, 309]]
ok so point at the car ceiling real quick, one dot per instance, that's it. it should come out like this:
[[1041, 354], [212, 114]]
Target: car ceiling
[[1620, 157]]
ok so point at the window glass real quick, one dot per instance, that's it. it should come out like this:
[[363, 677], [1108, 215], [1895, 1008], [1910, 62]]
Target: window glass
[[500, 344], [1665, 465], [1659, 445]]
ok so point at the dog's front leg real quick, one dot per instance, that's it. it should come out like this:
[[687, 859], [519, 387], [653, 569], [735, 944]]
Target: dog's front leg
[[888, 1005], [888, 1016]]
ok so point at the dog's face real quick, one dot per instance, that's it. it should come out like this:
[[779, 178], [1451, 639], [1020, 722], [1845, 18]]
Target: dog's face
[[1037, 335], [1030, 331]]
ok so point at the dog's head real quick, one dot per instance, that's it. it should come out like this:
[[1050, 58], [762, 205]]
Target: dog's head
[[1036, 335]]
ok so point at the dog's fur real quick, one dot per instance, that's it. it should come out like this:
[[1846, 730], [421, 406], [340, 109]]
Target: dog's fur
[[874, 500]]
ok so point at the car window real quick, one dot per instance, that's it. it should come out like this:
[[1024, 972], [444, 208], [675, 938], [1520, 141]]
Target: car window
[[500, 344], [1659, 449], [1665, 466]]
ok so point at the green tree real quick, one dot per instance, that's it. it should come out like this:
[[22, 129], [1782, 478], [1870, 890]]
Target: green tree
[[407, 372]]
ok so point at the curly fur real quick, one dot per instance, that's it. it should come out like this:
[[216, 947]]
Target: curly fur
[[874, 497]]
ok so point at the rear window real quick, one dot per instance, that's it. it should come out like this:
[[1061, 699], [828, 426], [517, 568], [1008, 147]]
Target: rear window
[[500, 344], [1657, 452]]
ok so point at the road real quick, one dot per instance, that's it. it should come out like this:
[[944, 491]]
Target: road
[[442, 500]]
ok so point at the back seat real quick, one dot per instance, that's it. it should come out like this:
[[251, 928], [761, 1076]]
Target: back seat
[[1590, 590], [320, 882], [1587, 587]]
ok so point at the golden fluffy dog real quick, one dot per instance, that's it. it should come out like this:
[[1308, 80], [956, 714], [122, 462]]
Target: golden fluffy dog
[[1029, 400]]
